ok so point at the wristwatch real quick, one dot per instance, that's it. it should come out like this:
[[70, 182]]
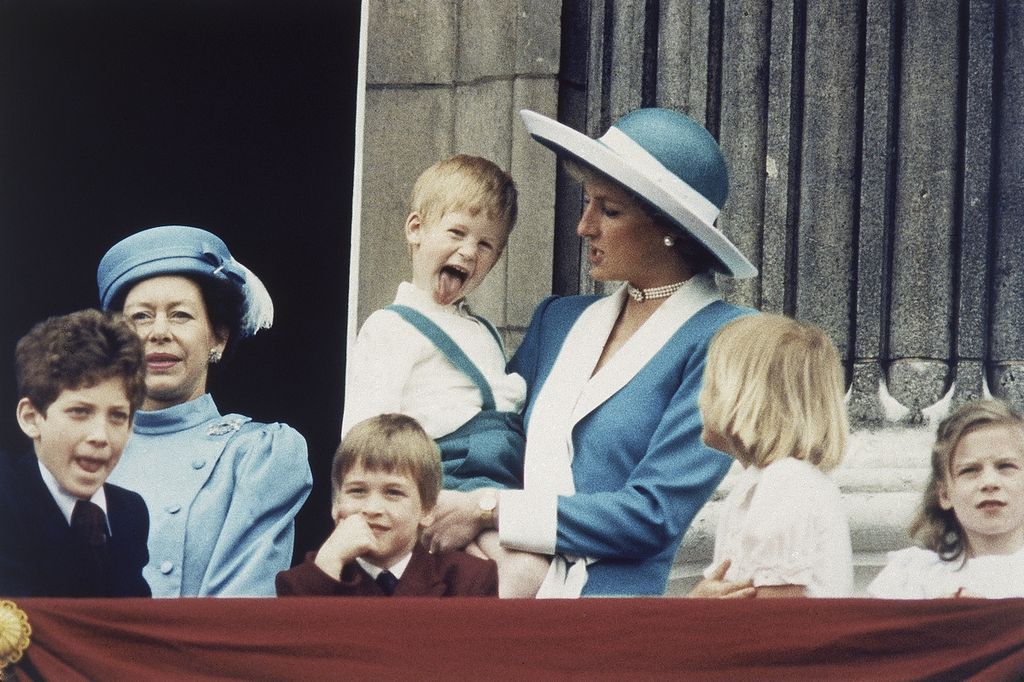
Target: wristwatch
[[488, 503]]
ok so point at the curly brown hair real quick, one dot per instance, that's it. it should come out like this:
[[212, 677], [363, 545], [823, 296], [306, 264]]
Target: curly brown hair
[[79, 350]]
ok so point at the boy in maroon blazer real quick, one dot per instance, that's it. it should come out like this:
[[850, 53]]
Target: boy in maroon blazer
[[386, 478]]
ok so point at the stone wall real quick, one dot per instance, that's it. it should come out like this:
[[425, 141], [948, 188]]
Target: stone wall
[[445, 77], [875, 163], [876, 152]]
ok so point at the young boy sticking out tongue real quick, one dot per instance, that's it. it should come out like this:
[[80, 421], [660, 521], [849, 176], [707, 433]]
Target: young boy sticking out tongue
[[429, 357]]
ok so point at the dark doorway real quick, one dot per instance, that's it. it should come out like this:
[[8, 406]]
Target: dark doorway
[[236, 116]]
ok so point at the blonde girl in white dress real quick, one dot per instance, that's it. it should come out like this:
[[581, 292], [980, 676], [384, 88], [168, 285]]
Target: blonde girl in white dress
[[773, 400]]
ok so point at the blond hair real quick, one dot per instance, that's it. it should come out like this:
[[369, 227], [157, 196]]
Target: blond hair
[[465, 183], [773, 388], [936, 528], [394, 443]]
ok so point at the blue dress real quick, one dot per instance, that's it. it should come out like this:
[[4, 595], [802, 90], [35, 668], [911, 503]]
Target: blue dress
[[222, 492]]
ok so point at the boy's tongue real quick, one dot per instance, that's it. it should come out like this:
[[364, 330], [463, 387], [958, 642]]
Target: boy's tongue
[[448, 287]]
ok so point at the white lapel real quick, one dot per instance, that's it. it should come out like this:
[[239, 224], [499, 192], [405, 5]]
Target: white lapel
[[677, 309], [570, 393], [549, 438]]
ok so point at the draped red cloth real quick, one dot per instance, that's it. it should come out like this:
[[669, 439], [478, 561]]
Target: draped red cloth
[[328, 638]]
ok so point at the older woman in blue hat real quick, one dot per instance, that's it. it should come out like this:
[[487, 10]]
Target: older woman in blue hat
[[222, 490], [615, 466]]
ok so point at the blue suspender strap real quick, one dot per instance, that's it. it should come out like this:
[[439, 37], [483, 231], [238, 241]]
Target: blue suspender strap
[[494, 332], [449, 348]]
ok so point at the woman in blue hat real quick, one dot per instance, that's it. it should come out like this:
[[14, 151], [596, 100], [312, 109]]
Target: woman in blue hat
[[615, 466], [222, 490]]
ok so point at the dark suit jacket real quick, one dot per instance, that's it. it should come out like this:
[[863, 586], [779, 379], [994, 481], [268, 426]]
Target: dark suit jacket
[[38, 554], [449, 574]]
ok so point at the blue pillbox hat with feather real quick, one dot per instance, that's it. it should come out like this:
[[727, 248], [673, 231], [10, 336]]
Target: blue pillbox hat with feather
[[181, 250]]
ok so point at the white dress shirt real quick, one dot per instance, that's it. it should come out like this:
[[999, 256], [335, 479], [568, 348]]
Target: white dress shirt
[[395, 368]]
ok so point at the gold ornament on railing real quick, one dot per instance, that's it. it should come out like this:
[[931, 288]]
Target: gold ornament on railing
[[15, 634]]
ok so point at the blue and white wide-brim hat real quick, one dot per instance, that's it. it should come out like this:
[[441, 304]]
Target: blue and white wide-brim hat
[[181, 250], [668, 160]]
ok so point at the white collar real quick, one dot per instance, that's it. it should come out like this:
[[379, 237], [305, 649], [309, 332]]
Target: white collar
[[411, 295], [572, 389], [644, 344], [396, 570], [66, 501]]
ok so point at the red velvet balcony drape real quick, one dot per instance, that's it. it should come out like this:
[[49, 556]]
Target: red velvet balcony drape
[[326, 638]]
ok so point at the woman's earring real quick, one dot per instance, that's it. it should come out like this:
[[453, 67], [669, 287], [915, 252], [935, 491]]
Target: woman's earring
[[669, 241], [214, 356]]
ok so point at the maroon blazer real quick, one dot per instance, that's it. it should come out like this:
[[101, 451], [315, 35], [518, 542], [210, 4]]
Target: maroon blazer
[[449, 574]]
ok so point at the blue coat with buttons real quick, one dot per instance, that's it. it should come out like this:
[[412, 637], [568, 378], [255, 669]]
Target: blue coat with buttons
[[222, 493]]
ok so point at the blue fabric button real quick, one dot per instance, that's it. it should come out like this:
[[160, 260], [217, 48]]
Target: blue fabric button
[[198, 463], [166, 567]]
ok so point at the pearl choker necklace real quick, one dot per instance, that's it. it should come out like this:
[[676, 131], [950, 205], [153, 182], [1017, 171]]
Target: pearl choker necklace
[[641, 295]]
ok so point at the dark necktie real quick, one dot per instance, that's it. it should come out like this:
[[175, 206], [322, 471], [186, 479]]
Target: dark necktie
[[89, 529], [387, 581], [89, 524]]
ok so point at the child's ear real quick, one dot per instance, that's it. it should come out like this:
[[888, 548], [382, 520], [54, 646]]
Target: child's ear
[[428, 517], [28, 418], [414, 229], [336, 513]]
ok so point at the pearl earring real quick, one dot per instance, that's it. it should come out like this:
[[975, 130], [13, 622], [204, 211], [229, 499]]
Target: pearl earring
[[214, 356], [669, 241]]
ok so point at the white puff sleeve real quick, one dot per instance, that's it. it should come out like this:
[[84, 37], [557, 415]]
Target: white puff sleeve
[[788, 527]]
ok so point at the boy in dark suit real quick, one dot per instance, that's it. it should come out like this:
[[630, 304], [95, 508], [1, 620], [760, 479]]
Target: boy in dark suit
[[65, 531], [386, 478]]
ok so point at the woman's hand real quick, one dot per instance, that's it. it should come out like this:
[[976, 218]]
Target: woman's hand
[[717, 587], [456, 521]]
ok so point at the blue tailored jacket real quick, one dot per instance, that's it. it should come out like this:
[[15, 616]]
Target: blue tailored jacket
[[222, 492], [640, 469]]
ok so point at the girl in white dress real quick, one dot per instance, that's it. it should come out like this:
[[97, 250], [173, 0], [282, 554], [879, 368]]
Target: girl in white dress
[[971, 521], [773, 399]]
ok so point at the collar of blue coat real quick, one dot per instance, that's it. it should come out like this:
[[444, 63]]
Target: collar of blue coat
[[647, 341], [176, 418], [572, 390]]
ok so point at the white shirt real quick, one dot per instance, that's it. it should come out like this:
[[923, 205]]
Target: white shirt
[[397, 570], [66, 501], [916, 573], [784, 525], [395, 368]]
